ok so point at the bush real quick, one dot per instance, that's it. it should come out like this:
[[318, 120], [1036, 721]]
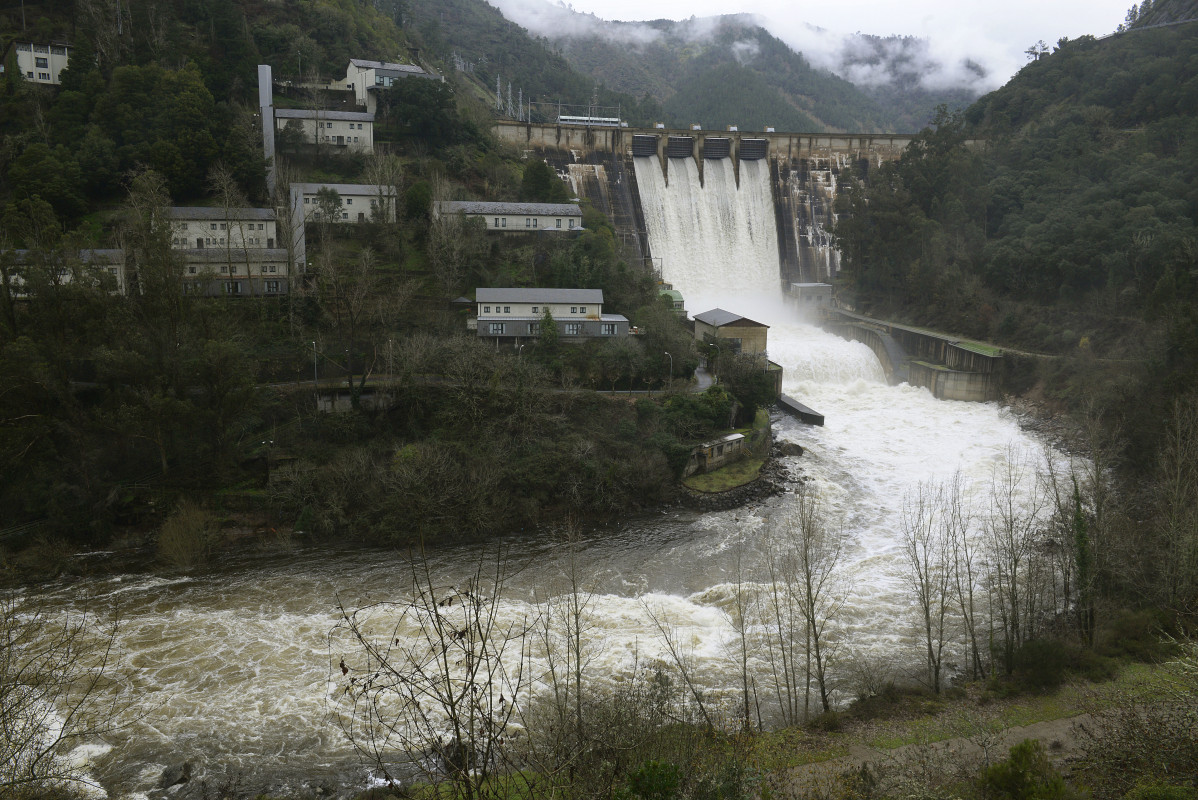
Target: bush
[[655, 780], [827, 722], [1134, 634], [1026, 775], [1042, 664], [187, 537]]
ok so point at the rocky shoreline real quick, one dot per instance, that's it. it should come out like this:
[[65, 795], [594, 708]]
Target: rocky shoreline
[[772, 481]]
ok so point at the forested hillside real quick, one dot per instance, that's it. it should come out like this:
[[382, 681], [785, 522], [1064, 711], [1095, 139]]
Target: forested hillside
[[1071, 232], [494, 48], [727, 70]]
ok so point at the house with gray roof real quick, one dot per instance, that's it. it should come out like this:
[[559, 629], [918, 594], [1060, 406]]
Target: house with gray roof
[[366, 78], [352, 131], [517, 217], [516, 313], [730, 330]]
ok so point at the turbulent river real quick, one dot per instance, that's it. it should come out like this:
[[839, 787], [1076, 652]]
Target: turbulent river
[[232, 668]]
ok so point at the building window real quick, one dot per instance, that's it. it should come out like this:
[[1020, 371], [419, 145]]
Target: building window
[[608, 329], [497, 328], [224, 226], [582, 309], [559, 223], [213, 226], [534, 328], [527, 222], [497, 222], [486, 309], [504, 222], [574, 329], [232, 287], [41, 63], [571, 224], [349, 201], [272, 287], [573, 309], [43, 76], [344, 215], [359, 126], [191, 270], [534, 222], [534, 309], [507, 309]]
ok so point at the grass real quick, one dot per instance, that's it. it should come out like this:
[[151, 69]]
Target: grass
[[954, 718], [721, 480], [737, 473]]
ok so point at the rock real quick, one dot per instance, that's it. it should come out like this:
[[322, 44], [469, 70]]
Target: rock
[[790, 449], [174, 775]]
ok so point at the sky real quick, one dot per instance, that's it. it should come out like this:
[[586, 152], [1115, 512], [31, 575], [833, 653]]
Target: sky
[[994, 34]]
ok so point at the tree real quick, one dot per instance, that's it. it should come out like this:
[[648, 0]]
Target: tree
[[60, 683], [926, 548], [1016, 570], [806, 592], [541, 184], [1175, 501], [436, 673]]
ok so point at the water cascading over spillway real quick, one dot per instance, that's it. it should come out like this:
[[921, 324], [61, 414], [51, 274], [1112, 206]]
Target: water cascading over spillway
[[232, 668], [708, 234]]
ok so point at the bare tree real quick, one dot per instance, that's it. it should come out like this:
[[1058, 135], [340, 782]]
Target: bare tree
[[1176, 505], [959, 526], [926, 547], [385, 173], [60, 684], [1016, 572], [807, 592], [435, 681]]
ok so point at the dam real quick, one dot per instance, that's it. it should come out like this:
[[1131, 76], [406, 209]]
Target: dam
[[804, 174]]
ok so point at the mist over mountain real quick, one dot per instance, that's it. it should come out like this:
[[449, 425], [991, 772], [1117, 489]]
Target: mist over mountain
[[802, 74]]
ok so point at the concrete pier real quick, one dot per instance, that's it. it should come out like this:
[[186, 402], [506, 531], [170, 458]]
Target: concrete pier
[[800, 411]]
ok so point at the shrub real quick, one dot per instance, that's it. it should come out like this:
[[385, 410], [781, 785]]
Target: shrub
[[827, 722], [655, 780], [187, 537], [1026, 775], [1041, 664]]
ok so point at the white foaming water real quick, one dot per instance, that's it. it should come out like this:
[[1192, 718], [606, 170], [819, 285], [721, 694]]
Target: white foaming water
[[688, 224], [235, 667]]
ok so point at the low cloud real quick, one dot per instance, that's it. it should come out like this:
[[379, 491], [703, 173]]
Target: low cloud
[[958, 60]]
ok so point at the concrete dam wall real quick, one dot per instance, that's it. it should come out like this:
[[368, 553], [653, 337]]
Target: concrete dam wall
[[805, 174]]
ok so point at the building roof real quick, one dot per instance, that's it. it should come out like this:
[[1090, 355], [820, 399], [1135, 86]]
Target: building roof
[[307, 113], [538, 295], [673, 294], [530, 209], [718, 318], [110, 256], [218, 255], [355, 189], [364, 63], [219, 213]]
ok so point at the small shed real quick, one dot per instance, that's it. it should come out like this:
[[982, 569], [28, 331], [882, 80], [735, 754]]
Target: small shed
[[716, 453], [810, 295]]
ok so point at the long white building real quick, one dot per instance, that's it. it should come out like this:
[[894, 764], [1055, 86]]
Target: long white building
[[517, 217], [351, 130]]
